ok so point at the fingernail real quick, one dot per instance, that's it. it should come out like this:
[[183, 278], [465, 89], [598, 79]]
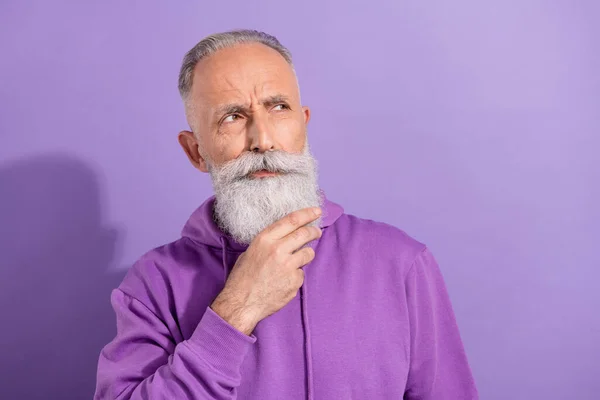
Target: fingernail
[[317, 211]]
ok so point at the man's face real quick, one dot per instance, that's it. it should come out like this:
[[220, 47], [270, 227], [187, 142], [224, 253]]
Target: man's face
[[244, 98], [250, 134]]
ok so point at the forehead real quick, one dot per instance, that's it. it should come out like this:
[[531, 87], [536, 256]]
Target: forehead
[[240, 73]]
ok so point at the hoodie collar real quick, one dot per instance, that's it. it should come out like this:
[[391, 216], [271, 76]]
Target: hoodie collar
[[201, 226]]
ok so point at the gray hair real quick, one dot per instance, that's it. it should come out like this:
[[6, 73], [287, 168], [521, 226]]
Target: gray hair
[[213, 43]]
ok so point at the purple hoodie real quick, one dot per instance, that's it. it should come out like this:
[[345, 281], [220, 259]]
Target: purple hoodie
[[372, 321]]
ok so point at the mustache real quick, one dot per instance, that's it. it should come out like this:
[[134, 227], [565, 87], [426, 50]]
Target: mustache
[[277, 161]]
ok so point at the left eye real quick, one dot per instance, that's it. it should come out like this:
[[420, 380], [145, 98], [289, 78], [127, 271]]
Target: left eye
[[280, 107], [231, 118]]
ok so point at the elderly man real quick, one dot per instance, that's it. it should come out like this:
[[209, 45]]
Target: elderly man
[[273, 292]]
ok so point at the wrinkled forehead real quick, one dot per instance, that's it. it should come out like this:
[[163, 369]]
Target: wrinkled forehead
[[242, 74]]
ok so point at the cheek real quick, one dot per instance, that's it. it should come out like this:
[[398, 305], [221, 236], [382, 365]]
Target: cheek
[[291, 134], [228, 150]]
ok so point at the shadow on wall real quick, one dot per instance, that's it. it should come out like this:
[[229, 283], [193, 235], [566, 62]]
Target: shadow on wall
[[55, 284]]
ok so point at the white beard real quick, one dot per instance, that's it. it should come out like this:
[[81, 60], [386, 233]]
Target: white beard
[[245, 206]]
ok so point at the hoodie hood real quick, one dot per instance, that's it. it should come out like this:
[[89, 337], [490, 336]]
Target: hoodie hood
[[202, 228]]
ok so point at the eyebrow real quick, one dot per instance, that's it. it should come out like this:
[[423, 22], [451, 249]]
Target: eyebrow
[[237, 108]]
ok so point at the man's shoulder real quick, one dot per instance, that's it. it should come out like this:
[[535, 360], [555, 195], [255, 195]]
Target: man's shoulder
[[174, 252], [379, 235], [161, 266]]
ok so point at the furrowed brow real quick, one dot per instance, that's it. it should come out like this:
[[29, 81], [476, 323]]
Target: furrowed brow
[[232, 108]]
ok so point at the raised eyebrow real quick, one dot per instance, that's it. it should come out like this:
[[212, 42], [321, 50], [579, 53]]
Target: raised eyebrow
[[275, 99]]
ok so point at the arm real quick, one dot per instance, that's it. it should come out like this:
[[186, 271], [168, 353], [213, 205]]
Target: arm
[[144, 362], [438, 363]]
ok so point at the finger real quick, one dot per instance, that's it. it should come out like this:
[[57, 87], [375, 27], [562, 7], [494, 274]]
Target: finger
[[299, 277], [291, 222], [299, 238], [303, 257]]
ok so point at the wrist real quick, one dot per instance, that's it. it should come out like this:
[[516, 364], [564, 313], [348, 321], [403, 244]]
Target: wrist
[[239, 317]]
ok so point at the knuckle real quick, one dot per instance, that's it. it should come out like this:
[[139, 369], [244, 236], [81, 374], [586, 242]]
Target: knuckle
[[309, 254], [295, 235], [301, 233], [260, 239], [276, 252], [291, 295], [294, 219]]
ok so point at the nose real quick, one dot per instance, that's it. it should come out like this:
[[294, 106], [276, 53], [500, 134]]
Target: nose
[[260, 134]]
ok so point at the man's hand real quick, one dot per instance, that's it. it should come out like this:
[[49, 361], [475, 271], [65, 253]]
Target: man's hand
[[268, 274]]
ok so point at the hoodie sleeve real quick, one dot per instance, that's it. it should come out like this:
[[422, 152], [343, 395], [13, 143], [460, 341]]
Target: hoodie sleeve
[[438, 364], [144, 362]]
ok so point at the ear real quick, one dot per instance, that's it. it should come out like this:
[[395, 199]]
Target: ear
[[306, 112], [189, 144]]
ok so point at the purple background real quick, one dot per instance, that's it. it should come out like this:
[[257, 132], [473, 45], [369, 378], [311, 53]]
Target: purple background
[[473, 126]]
